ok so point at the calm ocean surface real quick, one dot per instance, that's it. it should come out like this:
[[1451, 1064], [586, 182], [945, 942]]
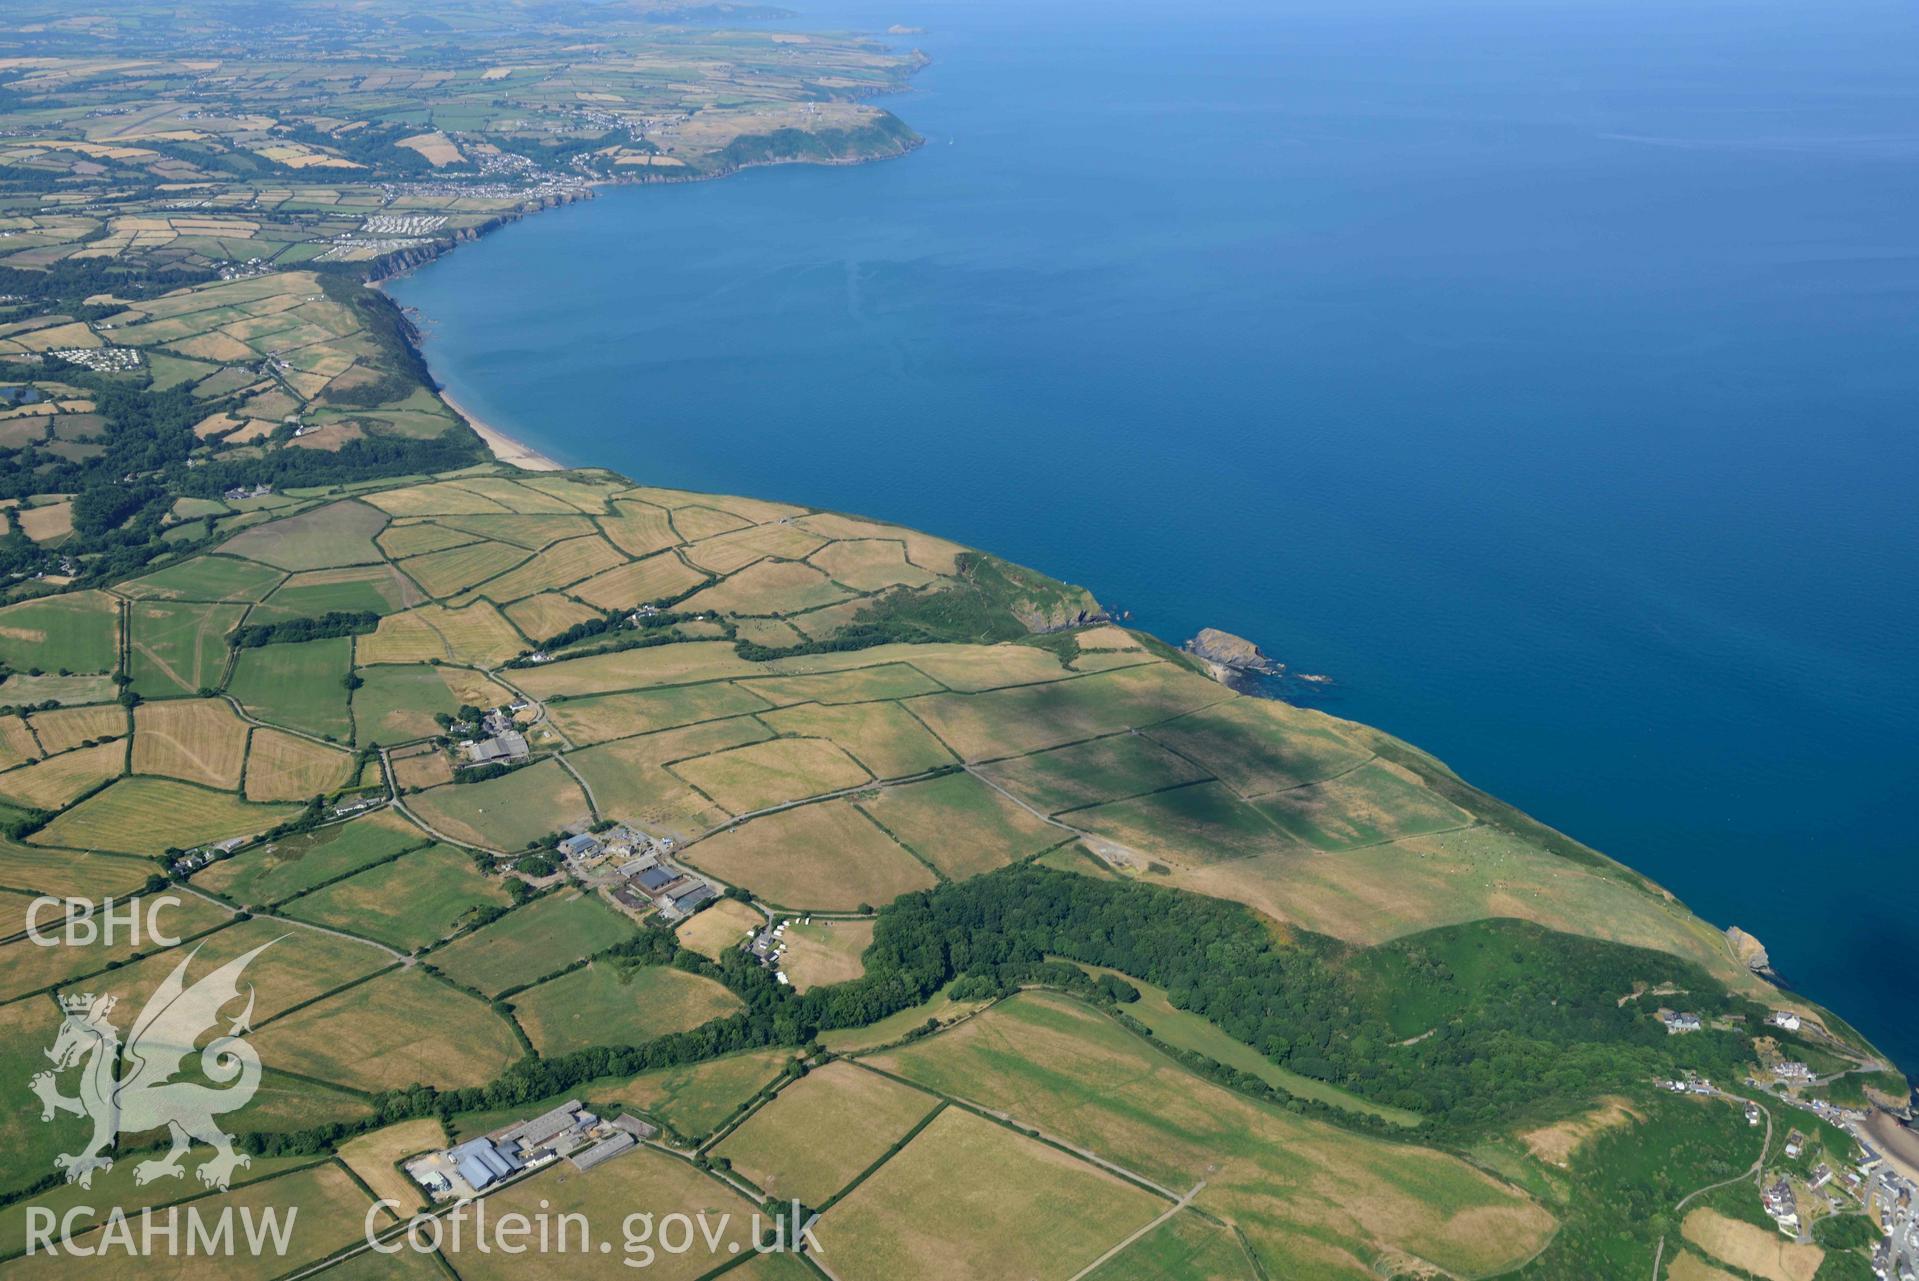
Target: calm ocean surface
[[1544, 372]]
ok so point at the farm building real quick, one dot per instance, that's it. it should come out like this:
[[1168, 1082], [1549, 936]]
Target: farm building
[[482, 1163], [656, 878], [578, 847], [501, 748], [689, 899]]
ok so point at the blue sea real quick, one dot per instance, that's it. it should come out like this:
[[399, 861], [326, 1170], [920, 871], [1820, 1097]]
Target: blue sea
[[1543, 371]]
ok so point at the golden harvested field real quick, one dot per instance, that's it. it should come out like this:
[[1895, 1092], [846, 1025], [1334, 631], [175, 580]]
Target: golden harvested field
[[762, 775], [825, 952], [435, 146], [531, 532], [769, 587], [727, 553], [375, 1157], [514, 496], [640, 582], [827, 856], [478, 634], [1556, 1143], [427, 767], [1759, 1251], [458, 568], [822, 1130], [883, 737], [607, 716], [858, 684], [694, 522], [16, 742], [719, 928], [439, 498], [639, 529], [548, 614], [870, 565], [400, 1028], [286, 767], [68, 727], [920, 1215], [323, 1206], [1686, 1266], [558, 566], [628, 778], [929, 553], [1012, 722], [57, 781], [970, 669], [147, 815], [399, 541], [200, 740], [637, 669], [960, 825]]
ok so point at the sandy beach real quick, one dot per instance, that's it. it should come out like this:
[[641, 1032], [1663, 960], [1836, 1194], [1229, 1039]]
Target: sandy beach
[[503, 446], [1899, 1144]]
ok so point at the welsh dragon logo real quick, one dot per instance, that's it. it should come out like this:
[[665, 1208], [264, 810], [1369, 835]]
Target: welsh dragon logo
[[146, 1096]]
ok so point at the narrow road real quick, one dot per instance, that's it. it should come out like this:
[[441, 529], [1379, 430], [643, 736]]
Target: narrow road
[[1756, 1173], [1175, 1208]]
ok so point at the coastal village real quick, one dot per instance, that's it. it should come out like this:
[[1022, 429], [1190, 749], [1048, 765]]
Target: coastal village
[[1828, 1162]]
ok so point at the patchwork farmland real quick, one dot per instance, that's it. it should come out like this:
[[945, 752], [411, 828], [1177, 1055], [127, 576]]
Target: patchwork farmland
[[730, 825]]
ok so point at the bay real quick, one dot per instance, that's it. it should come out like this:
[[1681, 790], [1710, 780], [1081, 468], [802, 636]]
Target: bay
[[1544, 373]]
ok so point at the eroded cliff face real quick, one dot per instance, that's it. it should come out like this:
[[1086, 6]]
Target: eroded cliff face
[[1749, 950]]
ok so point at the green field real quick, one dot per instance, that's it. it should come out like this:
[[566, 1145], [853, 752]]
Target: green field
[[610, 1003], [79, 633], [378, 589], [295, 864], [696, 1098], [296, 965], [300, 685], [397, 703], [149, 815], [1186, 1245], [399, 1029], [415, 900], [179, 648], [206, 578], [532, 942], [506, 813]]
